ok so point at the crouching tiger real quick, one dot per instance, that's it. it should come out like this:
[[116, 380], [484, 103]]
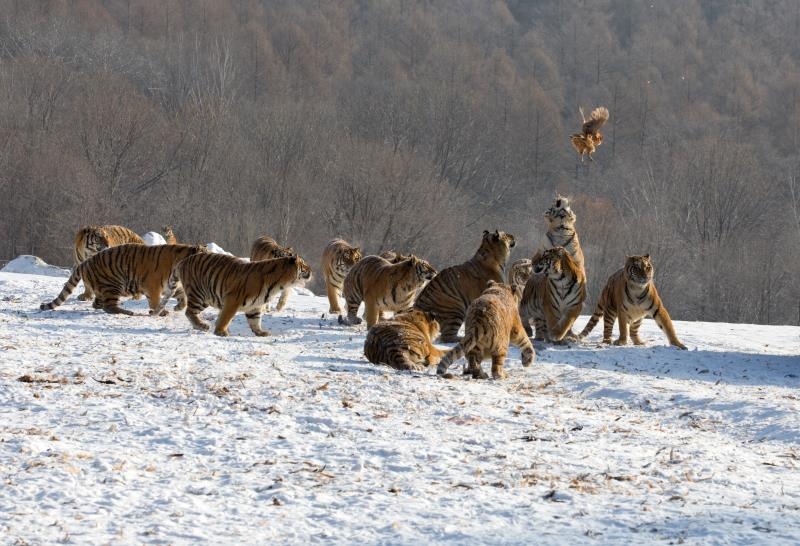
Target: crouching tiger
[[231, 285], [404, 342], [629, 296], [126, 270], [492, 323], [383, 286]]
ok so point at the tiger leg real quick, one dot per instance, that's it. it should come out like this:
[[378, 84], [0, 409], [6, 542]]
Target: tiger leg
[[541, 329], [284, 298], [254, 321], [97, 303], [520, 339], [194, 307], [225, 317], [498, 362], [153, 292], [180, 295], [111, 306], [635, 332], [622, 320], [608, 325], [88, 293], [371, 313], [333, 300], [474, 358], [664, 322], [352, 313], [450, 322]]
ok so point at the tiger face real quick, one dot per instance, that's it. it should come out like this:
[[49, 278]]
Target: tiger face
[[350, 256], [560, 215], [639, 269], [96, 242], [304, 270], [423, 270], [550, 262]]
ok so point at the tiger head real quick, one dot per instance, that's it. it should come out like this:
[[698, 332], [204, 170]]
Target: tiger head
[[303, 269], [496, 246], [639, 269], [552, 262], [96, 241], [521, 271], [282, 252], [350, 256], [422, 269], [494, 287], [560, 215]]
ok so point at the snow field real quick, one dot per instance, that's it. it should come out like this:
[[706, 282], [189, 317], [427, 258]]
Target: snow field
[[141, 430]]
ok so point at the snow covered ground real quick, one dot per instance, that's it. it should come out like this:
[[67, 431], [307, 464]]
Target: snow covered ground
[[118, 429]]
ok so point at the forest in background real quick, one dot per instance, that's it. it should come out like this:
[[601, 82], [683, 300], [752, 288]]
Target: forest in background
[[415, 125]]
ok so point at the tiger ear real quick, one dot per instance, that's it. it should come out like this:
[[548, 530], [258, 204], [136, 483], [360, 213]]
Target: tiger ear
[[485, 232], [647, 257]]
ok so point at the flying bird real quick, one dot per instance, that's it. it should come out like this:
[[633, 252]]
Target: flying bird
[[590, 137]]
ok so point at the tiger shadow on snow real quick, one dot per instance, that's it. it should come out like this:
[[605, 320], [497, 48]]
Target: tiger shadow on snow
[[663, 361]]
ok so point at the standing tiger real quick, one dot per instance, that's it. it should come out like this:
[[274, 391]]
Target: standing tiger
[[89, 240], [449, 294], [383, 286], [561, 231], [231, 285], [629, 296], [553, 297], [266, 248], [169, 236], [337, 259], [125, 270], [492, 323], [404, 342], [519, 273]]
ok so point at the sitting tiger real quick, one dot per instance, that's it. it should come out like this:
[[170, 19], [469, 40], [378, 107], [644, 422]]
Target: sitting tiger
[[266, 248], [519, 273], [125, 270], [337, 259], [553, 297], [492, 323], [89, 240], [630, 295], [404, 342], [383, 286], [231, 285], [169, 236], [449, 294], [561, 231]]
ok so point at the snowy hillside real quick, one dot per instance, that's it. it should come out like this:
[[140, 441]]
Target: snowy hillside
[[120, 430]]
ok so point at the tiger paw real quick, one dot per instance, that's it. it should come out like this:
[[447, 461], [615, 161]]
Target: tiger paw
[[221, 333], [499, 374], [263, 333], [621, 342]]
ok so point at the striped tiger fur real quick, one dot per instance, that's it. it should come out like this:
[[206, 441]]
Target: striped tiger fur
[[124, 270], [383, 286], [492, 322], [519, 273], [337, 259], [266, 248], [231, 285], [404, 342], [449, 294], [553, 296], [629, 296], [392, 256], [169, 236], [561, 231], [89, 240]]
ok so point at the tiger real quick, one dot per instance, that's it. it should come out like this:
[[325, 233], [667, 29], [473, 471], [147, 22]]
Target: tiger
[[629, 296], [337, 259], [561, 231], [91, 239], [169, 236], [519, 273], [553, 296], [124, 270], [383, 286], [266, 248], [231, 285], [404, 342], [449, 294], [492, 322]]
